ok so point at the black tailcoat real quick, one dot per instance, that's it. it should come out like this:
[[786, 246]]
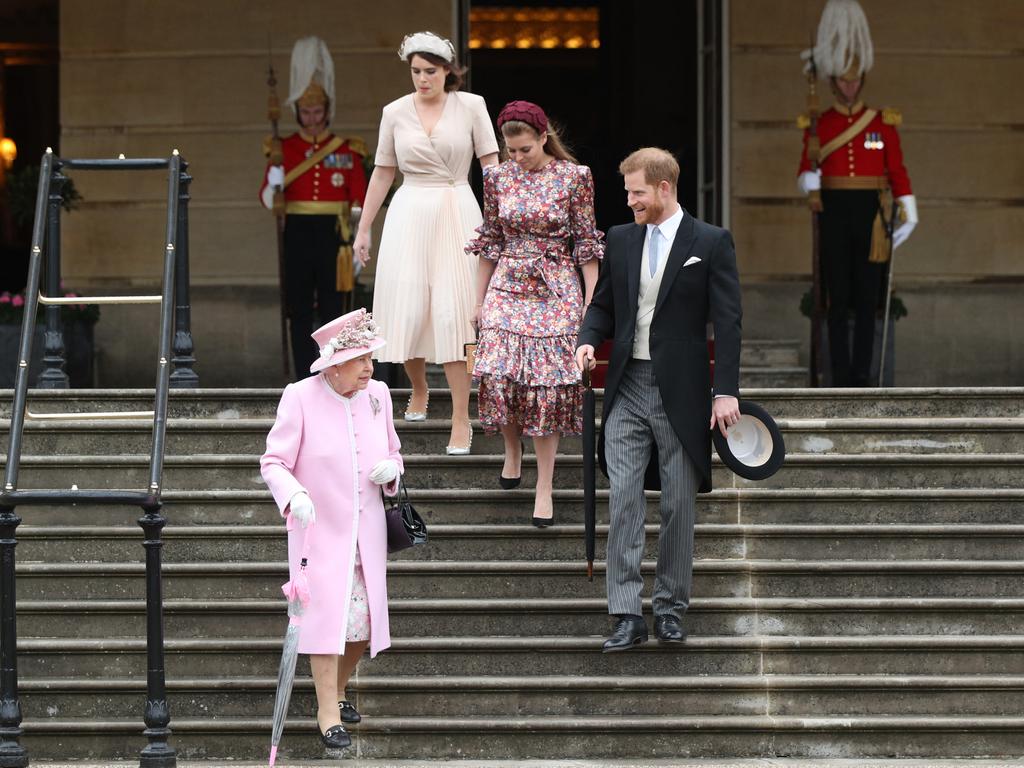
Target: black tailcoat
[[689, 297]]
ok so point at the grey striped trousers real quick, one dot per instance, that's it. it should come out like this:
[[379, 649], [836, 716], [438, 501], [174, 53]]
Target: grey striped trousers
[[637, 421]]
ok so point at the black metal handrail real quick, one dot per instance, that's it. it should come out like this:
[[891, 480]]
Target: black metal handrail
[[45, 239]]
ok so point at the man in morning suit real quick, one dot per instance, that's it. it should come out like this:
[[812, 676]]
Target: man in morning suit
[[662, 279]]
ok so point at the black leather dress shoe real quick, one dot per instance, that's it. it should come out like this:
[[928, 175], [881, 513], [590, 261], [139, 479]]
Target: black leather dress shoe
[[668, 629], [336, 737], [627, 634], [348, 712]]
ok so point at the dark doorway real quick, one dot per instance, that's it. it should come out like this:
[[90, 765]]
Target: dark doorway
[[639, 88], [29, 117]]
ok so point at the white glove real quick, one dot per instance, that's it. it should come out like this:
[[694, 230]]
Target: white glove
[[809, 181], [384, 472], [275, 178], [908, 212], [302, 508]]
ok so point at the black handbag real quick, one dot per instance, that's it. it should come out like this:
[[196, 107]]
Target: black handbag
[[405, 527]]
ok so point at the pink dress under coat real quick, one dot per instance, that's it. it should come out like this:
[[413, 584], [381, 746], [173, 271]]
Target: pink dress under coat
[[327, 444]]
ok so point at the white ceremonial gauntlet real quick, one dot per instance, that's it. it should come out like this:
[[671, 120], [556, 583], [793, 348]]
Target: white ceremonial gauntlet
[[301, 507], [384, 472], [908, 213], [809, 181]]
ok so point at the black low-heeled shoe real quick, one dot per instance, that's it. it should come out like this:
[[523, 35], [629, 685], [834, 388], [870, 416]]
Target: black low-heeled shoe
[[348, 712], [508, 483], [336, 737], [543, 522]]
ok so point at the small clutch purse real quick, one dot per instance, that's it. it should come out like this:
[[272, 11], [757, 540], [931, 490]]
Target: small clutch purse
[[469, 349], [405, 527]]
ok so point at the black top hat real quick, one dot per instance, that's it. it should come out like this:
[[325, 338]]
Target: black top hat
[[754, 449]]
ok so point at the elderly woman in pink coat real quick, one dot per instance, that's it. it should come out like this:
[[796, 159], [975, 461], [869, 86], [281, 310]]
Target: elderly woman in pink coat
[[331, 449]]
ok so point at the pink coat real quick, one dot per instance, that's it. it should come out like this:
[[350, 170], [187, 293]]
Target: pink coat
[[326, 445]]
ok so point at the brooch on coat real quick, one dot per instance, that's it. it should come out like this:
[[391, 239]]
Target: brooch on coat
[[374, 405]]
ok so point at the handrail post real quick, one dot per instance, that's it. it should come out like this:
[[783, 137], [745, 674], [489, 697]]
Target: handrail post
[[157, 715], [12, 753], [183, 376], [53, 375]]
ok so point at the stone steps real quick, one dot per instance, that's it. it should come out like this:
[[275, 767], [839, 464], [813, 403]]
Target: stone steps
[[558, 695], [931, 435], [508, 615], [478, 506], [797, 403], [241, 471], [42, 549], [943, 654], [866, 601], [562, 737]]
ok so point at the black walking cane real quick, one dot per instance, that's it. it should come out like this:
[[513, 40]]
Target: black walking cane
[[589, 479]]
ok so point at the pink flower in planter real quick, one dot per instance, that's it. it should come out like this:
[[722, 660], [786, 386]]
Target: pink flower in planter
[[18, 301], [5, 298]]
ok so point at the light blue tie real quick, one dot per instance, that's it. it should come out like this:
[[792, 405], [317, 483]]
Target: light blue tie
[[652, 250]]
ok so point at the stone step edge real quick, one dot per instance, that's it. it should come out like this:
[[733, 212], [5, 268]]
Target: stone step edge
[[534, 605], [571, 530], [554, 724], [222, 393], [263, 424], [429, 683], [529, 644], [535, 567], [233, 495], [251, 461]]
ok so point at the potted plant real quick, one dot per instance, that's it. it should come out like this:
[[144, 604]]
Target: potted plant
[[78, 321]]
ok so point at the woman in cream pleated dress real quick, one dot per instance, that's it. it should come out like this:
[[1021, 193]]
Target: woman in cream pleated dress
[[425, 287]]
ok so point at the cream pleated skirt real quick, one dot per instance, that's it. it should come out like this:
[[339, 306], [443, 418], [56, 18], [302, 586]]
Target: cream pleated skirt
[[425, 286]]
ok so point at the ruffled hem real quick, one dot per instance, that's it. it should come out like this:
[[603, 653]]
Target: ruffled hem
[[534, 361], [539, 411]]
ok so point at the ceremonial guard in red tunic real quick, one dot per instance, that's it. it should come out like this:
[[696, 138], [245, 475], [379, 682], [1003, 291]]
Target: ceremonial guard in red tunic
[[859, 165], [324, 183]]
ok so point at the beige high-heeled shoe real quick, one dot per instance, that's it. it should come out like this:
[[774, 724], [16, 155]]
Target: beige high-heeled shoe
[[458, 450], [417, 415]]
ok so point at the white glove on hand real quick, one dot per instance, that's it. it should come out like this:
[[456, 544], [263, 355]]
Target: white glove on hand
[[275, 178], [384, 472], [908, 212], [302, 508], [809, 181]]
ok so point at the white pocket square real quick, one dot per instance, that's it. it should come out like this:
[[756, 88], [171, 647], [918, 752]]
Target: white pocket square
[[692, 260]]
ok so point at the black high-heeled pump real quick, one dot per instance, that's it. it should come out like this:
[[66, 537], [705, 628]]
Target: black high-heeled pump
[[508, 483]]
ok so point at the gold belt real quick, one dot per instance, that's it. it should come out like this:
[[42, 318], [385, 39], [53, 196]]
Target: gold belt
[[315, 207], [854, 182]]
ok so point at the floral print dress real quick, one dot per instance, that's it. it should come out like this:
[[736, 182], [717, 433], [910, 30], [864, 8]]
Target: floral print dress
[[539, 227]]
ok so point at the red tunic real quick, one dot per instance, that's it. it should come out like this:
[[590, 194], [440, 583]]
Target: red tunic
[[875, 151], [337, 177]]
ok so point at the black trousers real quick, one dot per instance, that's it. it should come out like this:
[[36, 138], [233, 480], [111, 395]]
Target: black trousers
[[310, 274], [850, 280]]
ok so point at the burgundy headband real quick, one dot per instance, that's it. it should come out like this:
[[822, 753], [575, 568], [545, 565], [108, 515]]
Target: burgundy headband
[[526, 112]]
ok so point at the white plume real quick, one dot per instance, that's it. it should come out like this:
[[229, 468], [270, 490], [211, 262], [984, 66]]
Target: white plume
[[311, 62], [843, 36]]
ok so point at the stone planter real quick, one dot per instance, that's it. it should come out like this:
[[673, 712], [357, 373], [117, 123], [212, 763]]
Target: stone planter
[[79, 354]]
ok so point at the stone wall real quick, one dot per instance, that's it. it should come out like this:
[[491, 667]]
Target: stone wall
[[952, 69], [144, 78]]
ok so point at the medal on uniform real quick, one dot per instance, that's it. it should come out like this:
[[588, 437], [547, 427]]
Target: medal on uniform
[[337, 179]]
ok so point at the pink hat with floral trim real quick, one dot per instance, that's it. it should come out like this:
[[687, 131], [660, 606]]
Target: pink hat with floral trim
[[345, 338]]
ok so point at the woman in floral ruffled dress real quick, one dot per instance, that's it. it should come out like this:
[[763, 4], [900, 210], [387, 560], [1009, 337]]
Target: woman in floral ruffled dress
[[538, 235]]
